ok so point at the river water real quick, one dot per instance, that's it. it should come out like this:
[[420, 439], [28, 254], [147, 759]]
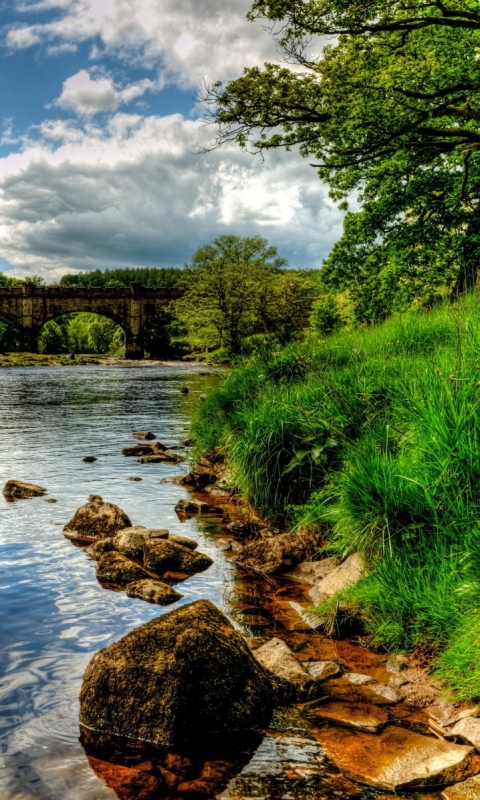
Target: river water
[[53, 613]]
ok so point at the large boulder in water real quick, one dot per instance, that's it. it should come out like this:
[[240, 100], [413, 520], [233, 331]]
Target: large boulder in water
[[20, 489], [116, 568], [96, 520], [130, 541], [181, 676]]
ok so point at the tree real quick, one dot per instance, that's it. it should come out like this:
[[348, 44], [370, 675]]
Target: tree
[[388, 109], [233, 291]]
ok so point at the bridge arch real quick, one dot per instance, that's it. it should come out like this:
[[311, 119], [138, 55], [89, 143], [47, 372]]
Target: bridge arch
[[30, 307], [81, 332]]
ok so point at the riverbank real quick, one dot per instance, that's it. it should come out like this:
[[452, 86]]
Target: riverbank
[[372, 437]]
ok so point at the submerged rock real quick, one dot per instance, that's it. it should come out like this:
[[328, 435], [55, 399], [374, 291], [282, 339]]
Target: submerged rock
[[290, 678], [280, 552], [339, 579], [117, 568], [164, 455], [145, 435], [208, 468], [397, 759], [153, 592], [89, 459], [166, 556], [144, 449], [370, 692], [180, 480], [130, 541], [183, 675], [192, 506], [20, 489], [359, 716], [96, 520]]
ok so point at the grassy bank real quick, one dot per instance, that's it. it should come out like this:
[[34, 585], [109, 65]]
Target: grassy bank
[[34, 360], [375, 435]]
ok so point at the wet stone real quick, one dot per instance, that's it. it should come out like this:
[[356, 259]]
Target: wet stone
[[191, 506], [467, 790], [359, 716], [190, 544], [118, 569], [157, 458], [312, 571], [153, 592], [20, 489], [375, 693], [163, 555], [143, 435], [289, 676], [89, 459], [135, 479], [358, 678], [322, 670], [339, 579], [397, 759], [96, 519], [130, 541], [97, 549], [310, 619]]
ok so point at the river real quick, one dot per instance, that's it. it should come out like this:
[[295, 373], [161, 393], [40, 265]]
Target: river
[[54, 614]]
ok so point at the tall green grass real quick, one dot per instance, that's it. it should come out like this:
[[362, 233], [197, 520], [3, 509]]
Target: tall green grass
[[375, 434]]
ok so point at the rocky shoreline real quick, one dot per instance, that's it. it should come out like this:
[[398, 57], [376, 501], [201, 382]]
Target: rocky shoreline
[[277, 705]]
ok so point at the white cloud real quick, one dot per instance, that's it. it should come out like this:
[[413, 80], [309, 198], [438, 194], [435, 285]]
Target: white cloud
[[136, 193], [87, 96], [191, 42]]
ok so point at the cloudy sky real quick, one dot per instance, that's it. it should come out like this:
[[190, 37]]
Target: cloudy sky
[[100, 140]]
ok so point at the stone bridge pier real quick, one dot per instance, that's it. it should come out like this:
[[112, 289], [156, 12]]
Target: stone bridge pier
[[29, 307]]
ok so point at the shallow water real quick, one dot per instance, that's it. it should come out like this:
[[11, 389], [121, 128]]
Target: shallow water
[[54, 614]]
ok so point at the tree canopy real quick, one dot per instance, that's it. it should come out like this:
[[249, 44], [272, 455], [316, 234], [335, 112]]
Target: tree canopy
[[236, 287], [384, 97]]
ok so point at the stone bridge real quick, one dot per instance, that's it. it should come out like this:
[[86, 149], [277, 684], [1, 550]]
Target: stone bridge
[[28, 307]]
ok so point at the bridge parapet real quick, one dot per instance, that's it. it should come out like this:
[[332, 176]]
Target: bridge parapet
[[29, 307]]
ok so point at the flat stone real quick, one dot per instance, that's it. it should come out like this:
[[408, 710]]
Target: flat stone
[[312, 571], [358, 678], [375, 693], [153, 592], [191, 506], [117, 568], [467, 730], [468, 790], [290, 676], [359, 716], [338, 579], [20, 489], [180, 480], [321, 670], [397, 759], [165, 455]]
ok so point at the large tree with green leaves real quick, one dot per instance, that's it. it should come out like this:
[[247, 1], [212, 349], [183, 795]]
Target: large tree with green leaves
[[384, 97], [235, 287]]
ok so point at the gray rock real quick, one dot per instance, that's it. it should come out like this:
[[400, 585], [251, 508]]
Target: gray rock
[[153, 592], [161, 683], [96, 520], [359, 716], [180, 480], [18, 490], [162, 556], [192, 506], [339, 579], [375, 693], [290, 676], [358, 678], [396, 663], [467, 730], [322, 670], [313, 621], [117, 568]]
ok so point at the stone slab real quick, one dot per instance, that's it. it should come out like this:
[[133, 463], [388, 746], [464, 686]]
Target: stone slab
[[322, 670], [467, 730], [312, 571], [359, 716], [375, 693], [339, 579], [397, 759]]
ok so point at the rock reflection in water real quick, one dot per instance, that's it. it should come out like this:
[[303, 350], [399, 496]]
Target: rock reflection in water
[[138, 771]]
